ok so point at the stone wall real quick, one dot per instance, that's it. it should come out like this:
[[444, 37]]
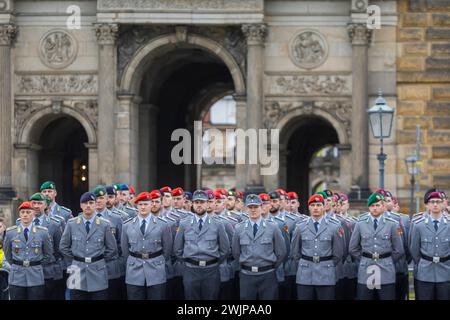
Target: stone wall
[[423, 88]]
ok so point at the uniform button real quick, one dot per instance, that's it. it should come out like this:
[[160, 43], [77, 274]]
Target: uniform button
[[375, 246], [436, 246], [315, 247], [315, 239], [436, 238], [374, 238]]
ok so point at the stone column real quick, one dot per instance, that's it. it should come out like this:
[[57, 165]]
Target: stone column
[[255, 35], [7, 35], [106, 36], [241, 123], [360, 38], [147, 146]]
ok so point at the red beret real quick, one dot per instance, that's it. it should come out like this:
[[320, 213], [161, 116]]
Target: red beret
[[316, 198], [381, 191], [218, 194], [264, 197], [210, 194], [155, 194], [143, 196], [25, 205], [395, 199], [343, 196], [166, 189], [292, 195], [336, 196], [177, 192], [222, 191], [433, 195], [132, 189], [281, 191], [239, 194]]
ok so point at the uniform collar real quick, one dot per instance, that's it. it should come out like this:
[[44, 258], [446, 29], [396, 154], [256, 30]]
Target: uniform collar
[[40, 218], [91, 220], [257, 222]]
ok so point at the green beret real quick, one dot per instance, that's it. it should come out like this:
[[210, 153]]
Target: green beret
[[99, 191], [48, 185], [37, 197], [323, 194], [374, 198], [116, 186]]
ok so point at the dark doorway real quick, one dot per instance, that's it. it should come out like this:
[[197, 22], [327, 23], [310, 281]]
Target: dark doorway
[[64, 159], [310, 135]]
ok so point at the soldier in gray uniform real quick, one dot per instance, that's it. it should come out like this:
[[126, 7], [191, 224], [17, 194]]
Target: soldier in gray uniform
[[147, 245], [88, 243], [202, 243], [114, 265], [317, 247], [27, 248], [112, 203], [53, 271], [48, 189], [430, 249], [260, 249], [376, 244]]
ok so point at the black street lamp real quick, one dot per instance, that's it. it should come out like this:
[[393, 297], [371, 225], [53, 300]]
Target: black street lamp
[[411, 165], [381, 117]]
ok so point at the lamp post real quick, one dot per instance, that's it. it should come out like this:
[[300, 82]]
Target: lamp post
[[411, 165], [380, 117]]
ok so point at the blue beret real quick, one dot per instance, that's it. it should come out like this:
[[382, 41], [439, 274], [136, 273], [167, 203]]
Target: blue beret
[[110, 190], [188, 195], [200, 195], [87, 196], [253, 199], [124, 187]]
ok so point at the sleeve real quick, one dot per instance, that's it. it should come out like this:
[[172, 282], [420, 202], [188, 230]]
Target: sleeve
[[414, 244], [354, 247], [178, 244], [279, 246], [338, 244], [7, 248], [398, 250], [47, 248], [235, 246], [56, 241], [124, 242], [296, 245], [224, 243], [167, 241], [110, 244], [66, 243]]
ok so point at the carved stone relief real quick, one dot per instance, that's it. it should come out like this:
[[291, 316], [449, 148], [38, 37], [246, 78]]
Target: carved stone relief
[[180, 4], [309, 85], [308, 49], [58, 49], [56, 84]]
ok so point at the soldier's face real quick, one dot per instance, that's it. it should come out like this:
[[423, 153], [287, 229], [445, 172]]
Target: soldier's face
[[294, 205], [275, 205], [377, 209], [167, 200], [39, 206], [88, 208], [220, 205], [231, 203], [125, 196], [49, 193], [265, 208], [187, 205], [239, 204], [316, 209], [26, 216], [434, 206], [344, 206], [156, 205], [144, 208], [254, 212], [111, 201], [283, 203], [210, 205], [177, 201], [389, 203], [328, 204], [396, 207], [100, 203], [200, 207]]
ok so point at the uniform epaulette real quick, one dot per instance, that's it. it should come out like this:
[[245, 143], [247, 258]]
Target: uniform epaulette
[[128, 220], [417, 214], [131, 208], [363, 218], [11, 228], [334, 220], [291, 217], [41, 228], [55, 219], [59, 217], [279, 219], [162, 219], [418, 219], [175, 214], [170, 218], [72, 219], [66, 209], [233, 219], [244, 214], [395, 213], [391, 220], [103, 219]]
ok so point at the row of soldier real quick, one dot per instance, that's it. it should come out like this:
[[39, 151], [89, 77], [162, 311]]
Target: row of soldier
[[171, 244]]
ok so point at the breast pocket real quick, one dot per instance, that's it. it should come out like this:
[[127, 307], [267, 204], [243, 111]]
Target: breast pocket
[[211, 241], [445, 246], [325, 242], [17, 247], [426, 243], [76, 241], [98, 242], [155, 244], [307, 241], [267, 245], [36, 248]]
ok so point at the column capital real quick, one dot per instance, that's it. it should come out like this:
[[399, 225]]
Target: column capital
[[359, 34], [255, 33], [106, 33], [7, 34]]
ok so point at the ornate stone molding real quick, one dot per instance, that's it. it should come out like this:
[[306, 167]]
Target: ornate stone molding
[[58, 49], [184, 5], [255, 33], [25, 109], [340, 110], [131, 39], [359, 34], [309, 85], [308, 49], [7, 34], [56, 84], [106, 33]]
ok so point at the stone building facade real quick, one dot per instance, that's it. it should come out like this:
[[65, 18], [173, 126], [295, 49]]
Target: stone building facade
[[98, 104]]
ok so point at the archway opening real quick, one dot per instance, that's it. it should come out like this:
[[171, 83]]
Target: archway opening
[[308, 136], [180, 83], [64, 159]]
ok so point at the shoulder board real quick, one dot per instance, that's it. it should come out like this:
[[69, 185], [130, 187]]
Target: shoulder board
[[66, 209], [364, 214], [11, 228], [395, 214], [18, 220], [363, 218], [170, 218], [131, 208], [279, 219], [103, 219], [41, 228], [162, 219], [291, 217], [219, 216], [233, 219], [391, 219], [303, 221], [245, 214], [334, 220], [418, 214], [128, 220], [59, 217], [418, 219], [174, 214], [55, 219], [71, 219]]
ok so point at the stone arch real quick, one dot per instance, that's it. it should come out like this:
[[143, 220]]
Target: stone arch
[[36, 123], [135, 69]]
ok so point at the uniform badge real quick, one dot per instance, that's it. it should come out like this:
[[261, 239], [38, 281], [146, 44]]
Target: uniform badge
[[286, 228], [16, 250], [400, 231], [36, 250]]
